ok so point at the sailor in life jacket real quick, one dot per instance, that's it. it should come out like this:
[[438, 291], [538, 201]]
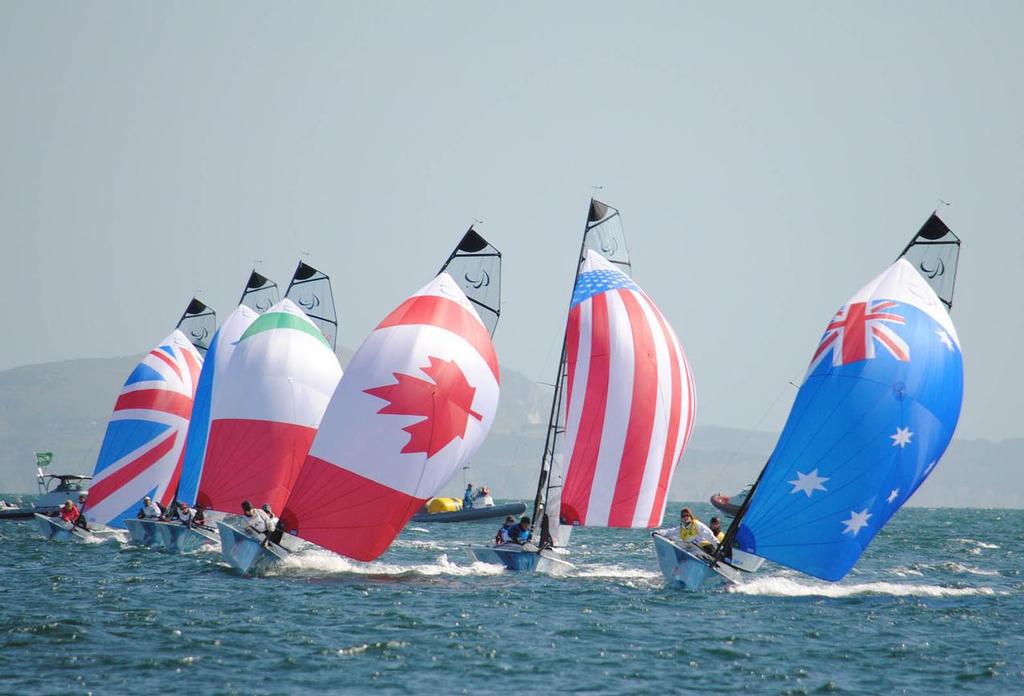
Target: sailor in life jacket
[[186, 515], [271, 517], [68, 512], [258, 524], [696, 532], [716, 528], [150, 510]]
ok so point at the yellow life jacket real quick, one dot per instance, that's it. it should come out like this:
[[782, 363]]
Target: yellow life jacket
[[688, 533], [720, 537]]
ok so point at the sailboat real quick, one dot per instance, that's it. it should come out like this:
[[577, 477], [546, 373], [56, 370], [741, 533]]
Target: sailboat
[[417, 400], [621, 413], [145, 437], [873, 416]]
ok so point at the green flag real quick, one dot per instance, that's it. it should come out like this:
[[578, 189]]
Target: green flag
[[43, 459]]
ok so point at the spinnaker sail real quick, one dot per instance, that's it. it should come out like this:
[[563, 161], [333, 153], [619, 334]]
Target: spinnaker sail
[[475, 264], [267, 405], [222, 347], [260, 293], [876, 410], [310, 289], [416, 402], [145, 438], [629, 402], [198, 323]]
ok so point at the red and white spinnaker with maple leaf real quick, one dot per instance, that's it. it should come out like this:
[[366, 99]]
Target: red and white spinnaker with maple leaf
[[414, 405]]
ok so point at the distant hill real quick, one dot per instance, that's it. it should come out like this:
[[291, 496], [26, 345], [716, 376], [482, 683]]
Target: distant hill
[[63, 407]]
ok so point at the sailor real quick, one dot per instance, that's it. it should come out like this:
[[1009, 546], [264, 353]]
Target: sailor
[[186, 515], [150, 510], [200, 516], [68, 512], [694, 531], [716, 528], [467, 497], [258, 523], [483, 494], [270, 516], [520, 534], [81, 522], [504, 534]]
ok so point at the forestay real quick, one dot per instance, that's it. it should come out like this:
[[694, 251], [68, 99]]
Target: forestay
[[310, 289], [874, 414], [145, 438], [416, 402], [268, 404], [198, 323], [475, 264], [221, 349], [629, 402], [260, 293]]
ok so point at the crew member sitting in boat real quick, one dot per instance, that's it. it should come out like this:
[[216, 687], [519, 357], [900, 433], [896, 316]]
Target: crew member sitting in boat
[[185, 514], [504, 535], [467, 497], [258, 524], [694, 531], [150, 510], [716, 528], [271, 517], [520, 534], [81, 522], [67, 512]]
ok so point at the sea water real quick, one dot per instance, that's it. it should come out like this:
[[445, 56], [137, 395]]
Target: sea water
[[936, 605]]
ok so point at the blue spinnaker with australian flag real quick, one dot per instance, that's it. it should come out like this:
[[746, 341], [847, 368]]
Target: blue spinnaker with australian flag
[[873, 416]]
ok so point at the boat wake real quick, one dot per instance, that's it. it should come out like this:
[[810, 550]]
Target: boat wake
[[319, 562], [787, 587], [638, 576]]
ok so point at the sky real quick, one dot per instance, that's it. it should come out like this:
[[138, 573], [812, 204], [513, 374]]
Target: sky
[[767, 162]]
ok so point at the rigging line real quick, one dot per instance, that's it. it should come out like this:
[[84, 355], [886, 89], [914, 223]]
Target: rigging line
[[750, 433]]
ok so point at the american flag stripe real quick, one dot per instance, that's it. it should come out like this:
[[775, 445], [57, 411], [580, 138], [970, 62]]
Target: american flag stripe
[[643, 405]]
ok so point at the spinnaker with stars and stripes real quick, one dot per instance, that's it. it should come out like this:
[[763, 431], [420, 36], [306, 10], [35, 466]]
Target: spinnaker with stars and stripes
[[629, 402]]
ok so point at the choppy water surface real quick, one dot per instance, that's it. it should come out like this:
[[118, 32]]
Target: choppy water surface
[[937, 604]]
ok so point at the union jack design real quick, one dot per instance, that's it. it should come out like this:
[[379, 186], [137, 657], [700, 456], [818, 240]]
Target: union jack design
[[142, 449], [629, 405], [852, 333]]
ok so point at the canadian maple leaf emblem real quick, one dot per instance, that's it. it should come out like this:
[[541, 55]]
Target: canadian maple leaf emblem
[[444, 404]]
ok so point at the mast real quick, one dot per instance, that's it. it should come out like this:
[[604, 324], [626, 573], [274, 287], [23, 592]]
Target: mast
[[613, 247]]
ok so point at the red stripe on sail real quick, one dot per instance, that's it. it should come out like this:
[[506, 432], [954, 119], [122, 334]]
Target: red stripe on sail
[[434, 310], [583, 465], [167, 359], [668, 460], [345, 512], [99, 490], [163, 400], [252, 460], [572, 347], [641, 415]]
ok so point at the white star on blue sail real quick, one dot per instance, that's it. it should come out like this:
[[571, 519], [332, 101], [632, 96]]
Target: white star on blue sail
[[808, 483], [893, 495], [902, 437], [857, 521], [944, 337]]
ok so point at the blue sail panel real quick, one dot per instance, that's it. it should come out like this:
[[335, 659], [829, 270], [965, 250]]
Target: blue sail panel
[[198, 429], [874, 415]]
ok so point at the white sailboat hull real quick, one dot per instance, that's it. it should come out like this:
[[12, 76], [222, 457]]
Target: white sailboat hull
[[177, 538], [56, 529], [143, 532], [525, 559], [688, 567], [246, 553]]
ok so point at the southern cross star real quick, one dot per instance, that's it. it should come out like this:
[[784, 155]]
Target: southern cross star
[[944, 337], [902, 437], [856, 521], [808, 483], [892, 496]]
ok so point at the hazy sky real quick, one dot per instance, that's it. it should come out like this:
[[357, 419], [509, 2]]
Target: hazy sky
[[767, 163]]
